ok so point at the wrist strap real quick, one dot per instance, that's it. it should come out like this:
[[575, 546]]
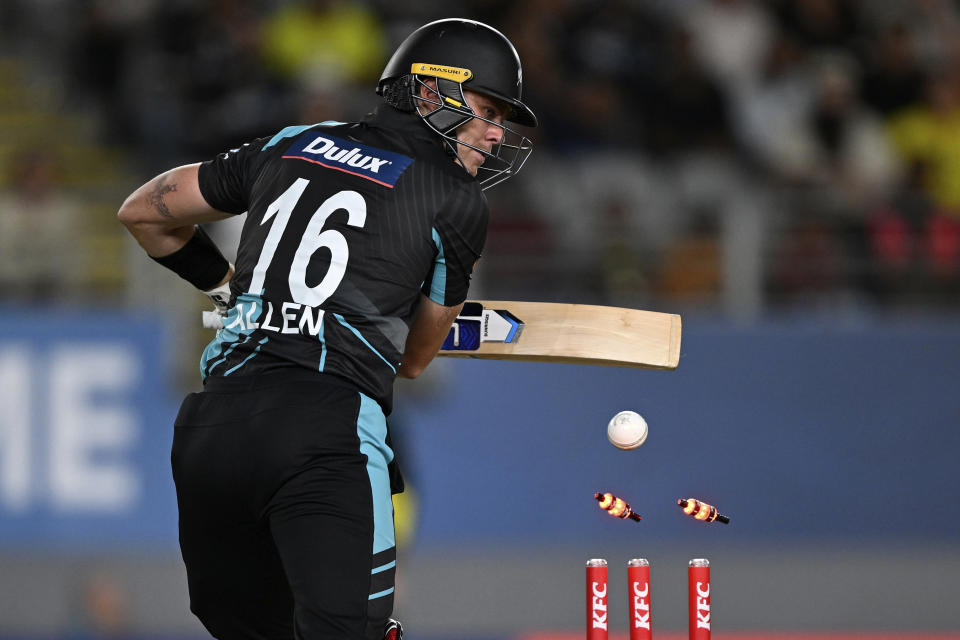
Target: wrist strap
[[199, 262]]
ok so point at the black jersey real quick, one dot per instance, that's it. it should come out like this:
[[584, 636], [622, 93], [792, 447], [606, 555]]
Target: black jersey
[[347, 224]]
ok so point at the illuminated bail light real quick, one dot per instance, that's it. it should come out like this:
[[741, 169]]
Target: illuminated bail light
[[701, 510], [606, 500], [615, 506]]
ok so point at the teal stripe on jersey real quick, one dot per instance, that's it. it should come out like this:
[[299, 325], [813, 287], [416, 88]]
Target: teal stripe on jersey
[[287, 132], [226, 354], [235, 331], [438, 286], [372, 431], [363, 340], [247, 359], [380, 594], [384, 567], [323, 343]]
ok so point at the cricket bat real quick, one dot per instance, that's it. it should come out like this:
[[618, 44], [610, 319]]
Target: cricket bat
[[571, 333]]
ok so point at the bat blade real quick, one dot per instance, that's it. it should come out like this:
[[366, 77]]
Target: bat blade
[[583, 334]]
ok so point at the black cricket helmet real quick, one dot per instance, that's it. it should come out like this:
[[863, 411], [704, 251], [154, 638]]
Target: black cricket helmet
[[462, 54]]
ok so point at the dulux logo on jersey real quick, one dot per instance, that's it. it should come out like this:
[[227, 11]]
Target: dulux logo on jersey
[[380, 166]]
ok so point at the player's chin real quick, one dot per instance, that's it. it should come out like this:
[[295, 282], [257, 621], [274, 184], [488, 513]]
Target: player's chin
[[477, 160]]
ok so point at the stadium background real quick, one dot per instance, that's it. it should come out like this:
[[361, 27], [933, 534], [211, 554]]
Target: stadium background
[[785, 174]]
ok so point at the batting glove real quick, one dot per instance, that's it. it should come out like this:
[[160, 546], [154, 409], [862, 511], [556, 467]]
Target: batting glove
[[220, 296]]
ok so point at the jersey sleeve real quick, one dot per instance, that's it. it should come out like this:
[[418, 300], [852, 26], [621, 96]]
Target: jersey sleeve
[[226, 180], [459, 233]]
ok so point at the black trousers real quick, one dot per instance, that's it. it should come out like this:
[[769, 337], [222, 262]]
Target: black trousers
[[286, 519]]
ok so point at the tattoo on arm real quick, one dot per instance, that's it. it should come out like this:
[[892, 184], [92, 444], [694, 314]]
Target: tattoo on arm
[[155, 197]]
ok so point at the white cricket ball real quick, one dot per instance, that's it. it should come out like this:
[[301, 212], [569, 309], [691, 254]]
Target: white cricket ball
[[627, 430]]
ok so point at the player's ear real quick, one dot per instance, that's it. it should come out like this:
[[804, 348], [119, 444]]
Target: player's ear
[[428, 95], [429, 91]]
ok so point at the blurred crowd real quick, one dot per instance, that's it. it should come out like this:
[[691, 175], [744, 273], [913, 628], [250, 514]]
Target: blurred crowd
[[737, 156]]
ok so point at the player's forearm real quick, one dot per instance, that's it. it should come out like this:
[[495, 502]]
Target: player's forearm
[[158, 241], [430, 328]]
